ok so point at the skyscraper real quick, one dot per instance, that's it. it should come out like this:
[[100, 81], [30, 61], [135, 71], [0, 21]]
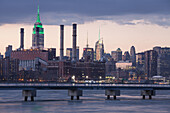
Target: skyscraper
[[163, 61], [113, 54], [126, 56], [140, 60], [88, 53], [99, 49], [118, 54], [150, 63], [38, 34], [133, 56]]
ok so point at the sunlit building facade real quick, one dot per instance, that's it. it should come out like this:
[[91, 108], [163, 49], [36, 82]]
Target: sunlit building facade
[[99, 50]]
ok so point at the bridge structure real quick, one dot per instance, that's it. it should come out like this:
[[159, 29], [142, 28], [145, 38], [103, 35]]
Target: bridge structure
[[76, 90]]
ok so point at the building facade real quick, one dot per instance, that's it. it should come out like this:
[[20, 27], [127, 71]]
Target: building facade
[[133, 56], [118, 54], [126, 56], [150, 63], [163, 64], [88, 54], [28, 58], [99, 50], [69, 53]]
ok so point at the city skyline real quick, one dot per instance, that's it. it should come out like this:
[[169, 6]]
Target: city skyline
[[138, 33]]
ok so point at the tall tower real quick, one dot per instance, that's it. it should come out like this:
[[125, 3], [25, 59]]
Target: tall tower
[[74, 59], [88, 53], [133, 56], [38, 33], [61, 42], [99, 49], [22, 39]]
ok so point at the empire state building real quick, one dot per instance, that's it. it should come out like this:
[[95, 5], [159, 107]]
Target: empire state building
[[38, 34]]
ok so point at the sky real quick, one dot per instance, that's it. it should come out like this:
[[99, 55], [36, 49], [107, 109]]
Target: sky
[[123, 23]]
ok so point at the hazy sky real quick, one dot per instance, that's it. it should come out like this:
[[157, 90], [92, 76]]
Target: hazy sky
[[123, 23]]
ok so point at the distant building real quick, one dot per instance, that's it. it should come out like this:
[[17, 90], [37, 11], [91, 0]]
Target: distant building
[[51, 53], [29, 59], [99, 50], [123, 64], [133, 56], [1, 56], [119, 54], [69, 53], [163, 61], [88, 54], [140, 61], [80, 71], [151, 63], [9, 69], [126, 56], [107, 57], [8, 51], [89, 71], [110, 67], [38, 34], [114, 54]]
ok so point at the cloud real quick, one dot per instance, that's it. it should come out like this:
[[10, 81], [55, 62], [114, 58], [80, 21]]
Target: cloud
[[123, 12]]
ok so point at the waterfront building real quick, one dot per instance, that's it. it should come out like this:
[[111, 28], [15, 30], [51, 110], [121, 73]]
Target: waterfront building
[[9, 69], [29, 59], [163, 61], [88, 71]]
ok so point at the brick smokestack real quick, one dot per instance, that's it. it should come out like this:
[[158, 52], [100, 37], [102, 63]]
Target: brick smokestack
[[74, 42], [22, 38], [61, 42]]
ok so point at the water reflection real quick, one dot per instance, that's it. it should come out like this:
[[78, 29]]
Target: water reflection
[[92, 101]]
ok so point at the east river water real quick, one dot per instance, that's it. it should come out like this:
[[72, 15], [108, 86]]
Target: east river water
[[92, 101]]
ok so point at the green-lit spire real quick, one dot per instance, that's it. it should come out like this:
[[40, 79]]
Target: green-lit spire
[[38, 15], [100, 41]]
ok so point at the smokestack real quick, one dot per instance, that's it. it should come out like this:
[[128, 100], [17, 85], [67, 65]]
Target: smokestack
[[61, 42], [74, 42], [22, 38]]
